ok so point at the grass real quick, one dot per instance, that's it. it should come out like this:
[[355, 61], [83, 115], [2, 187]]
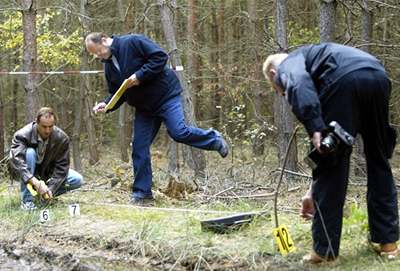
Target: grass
[[119, 237]]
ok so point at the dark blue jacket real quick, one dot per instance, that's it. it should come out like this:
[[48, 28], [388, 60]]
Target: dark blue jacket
[[308, 74], [140, 55]]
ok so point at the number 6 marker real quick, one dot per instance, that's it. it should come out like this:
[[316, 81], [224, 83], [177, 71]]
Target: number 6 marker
[[44, 215]]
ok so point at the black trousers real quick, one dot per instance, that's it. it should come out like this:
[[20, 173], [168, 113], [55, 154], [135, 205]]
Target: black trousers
[[360, 105]]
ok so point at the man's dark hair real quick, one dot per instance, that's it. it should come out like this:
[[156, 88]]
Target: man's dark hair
[[45, 112], [95, 37]]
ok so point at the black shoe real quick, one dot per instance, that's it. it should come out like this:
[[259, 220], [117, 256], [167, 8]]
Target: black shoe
[[224, 148], [142, 201]]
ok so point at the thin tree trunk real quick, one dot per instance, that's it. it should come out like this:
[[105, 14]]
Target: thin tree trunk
[[220, 92], [30, 58], [124, 110], [193, 157], [283, 117], [193, 57], [2, 132], [327, 20], [77, 129], [85, 88], [257, 91], [123, 145], [366, 35]]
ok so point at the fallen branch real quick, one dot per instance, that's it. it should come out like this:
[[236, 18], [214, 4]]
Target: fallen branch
[[247, 196]]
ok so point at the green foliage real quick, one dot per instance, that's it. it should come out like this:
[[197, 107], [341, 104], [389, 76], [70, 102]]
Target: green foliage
[[55, 48], [358, 217], [299, 35]]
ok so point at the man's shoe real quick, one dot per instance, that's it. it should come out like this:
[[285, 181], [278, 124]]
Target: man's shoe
[[314, 258], [28, 206], [224, 148], [145, 202], [390, 251]]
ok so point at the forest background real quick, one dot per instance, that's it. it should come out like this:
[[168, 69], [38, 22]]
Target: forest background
[[221, 45]]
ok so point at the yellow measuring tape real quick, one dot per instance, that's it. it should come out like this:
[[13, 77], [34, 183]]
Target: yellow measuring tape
[[34, 192]]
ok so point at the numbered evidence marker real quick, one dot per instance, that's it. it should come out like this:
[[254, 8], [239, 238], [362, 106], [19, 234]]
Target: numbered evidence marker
[[74, 209], [44, 215], [284, 241]]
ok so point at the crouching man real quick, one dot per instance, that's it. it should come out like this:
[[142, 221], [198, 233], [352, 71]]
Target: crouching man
[[39, 156]]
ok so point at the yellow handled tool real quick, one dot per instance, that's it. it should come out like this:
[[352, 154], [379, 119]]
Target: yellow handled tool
[[34, 192], [117, 95]]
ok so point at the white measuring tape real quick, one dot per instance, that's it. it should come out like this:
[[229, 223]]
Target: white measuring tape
[[74, 210]]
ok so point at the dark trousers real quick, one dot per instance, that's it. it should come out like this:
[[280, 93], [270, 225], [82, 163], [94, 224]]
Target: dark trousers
[[146, 127], [360, 105]]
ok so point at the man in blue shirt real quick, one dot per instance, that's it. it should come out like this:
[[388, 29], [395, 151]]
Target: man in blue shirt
[[155, 91], [331, 82]]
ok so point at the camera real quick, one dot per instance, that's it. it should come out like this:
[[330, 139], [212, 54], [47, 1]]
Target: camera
[[335, 138]]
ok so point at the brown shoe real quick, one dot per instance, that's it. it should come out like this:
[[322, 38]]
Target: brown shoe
[[389, 251], [314, 258]]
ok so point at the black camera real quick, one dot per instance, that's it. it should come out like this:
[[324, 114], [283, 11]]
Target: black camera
[[335, 138]]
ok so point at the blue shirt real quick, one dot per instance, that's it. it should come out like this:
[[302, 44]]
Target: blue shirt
[[137, 54]]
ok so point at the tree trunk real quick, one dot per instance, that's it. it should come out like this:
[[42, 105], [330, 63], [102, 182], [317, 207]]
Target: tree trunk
[[366, 35], [327, 20], [220, 91], [122, 125], [257, 91], [30, 58], [85, 88], [193, 157], [193, 66], [77, 129], [2, 147], [283, 117], [123, 115]]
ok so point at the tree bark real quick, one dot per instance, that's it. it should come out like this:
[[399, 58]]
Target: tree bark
[[30, 58], [257, 91], [2, 147], [124, 111], [193, 157], [193, 66], [283, 117], [366, 35], [327, 20], [85, 88], [77, 129]]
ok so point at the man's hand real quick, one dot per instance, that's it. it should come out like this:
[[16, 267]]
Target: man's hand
[[133, 81], [41, 188], [316, 141], [307, 206], [99, 108]]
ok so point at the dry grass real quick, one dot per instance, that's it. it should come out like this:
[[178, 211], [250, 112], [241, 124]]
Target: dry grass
[[110, 236]]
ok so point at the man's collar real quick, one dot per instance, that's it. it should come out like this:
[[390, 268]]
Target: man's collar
[[114, 49], [34, 138]]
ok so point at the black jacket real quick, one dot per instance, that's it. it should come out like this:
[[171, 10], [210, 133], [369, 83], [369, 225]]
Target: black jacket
[[55, 165], [140, 55], [308, 74]]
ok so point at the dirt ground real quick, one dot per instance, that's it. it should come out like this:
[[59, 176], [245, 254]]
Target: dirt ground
[[111, 235]]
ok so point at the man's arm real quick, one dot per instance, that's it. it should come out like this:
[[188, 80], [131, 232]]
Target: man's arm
[[61, 166], [18, 163], [156, 58], [301, 93], [307, 204], [18, 157]]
